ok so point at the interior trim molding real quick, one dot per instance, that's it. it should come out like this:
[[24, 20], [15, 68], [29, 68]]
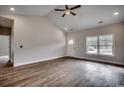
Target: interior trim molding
[[99, 60], [82, 58], [36, 61]]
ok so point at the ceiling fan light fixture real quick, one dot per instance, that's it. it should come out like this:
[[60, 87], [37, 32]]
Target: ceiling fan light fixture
[[67, 12]]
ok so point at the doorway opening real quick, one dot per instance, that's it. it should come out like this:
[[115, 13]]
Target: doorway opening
[[6, 39]]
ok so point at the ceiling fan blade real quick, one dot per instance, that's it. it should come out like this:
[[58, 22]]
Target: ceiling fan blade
[[73, 13], [59, 10], [75, 7], [66, 6], [63, 15]]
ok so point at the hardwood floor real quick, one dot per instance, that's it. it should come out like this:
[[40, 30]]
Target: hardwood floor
[[65, 72], [4, 61]]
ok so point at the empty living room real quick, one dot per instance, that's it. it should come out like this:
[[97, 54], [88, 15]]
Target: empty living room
[[61, 45]]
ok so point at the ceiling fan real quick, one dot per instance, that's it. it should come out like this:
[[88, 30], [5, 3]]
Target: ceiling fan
[[68, 11]]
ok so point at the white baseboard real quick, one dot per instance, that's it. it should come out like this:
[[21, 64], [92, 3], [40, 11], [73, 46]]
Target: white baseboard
[[47, 59], [36, 61], [105, 61]]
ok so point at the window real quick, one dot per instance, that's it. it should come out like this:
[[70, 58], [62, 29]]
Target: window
[[102, 45], [92, 45], [106, 44], [70, 42]]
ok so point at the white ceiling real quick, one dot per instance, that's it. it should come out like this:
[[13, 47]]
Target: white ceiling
[[87, 16], [34, 10]]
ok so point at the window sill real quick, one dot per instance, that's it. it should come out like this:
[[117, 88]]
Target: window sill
[[101, 55]]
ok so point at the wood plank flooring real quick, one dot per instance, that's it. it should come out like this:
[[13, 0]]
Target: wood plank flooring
[[63, 72], [4, 61]]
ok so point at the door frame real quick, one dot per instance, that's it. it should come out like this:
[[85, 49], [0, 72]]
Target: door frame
[[7, 29], [11, 55]]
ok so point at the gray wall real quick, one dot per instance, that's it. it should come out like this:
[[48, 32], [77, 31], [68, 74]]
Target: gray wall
[[79, 47], [41, 40], [4, 45]]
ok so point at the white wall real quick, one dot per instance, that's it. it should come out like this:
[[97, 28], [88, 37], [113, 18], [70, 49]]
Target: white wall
[[79, 47], [4, 45], [41, 40]]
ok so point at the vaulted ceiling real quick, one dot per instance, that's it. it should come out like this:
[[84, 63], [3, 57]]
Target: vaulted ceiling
[[87, 16]]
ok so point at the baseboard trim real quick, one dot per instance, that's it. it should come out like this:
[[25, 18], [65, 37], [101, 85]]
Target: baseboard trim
[[98, 61], [75, 57], [36, 61]]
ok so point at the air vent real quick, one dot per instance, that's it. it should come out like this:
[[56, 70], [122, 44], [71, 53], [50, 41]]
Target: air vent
[[100, 22]]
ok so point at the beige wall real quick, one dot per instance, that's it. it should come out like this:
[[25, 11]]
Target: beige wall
[[79, 47]]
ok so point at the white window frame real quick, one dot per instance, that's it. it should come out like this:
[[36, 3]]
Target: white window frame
[[87, 45], [113, 45]]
